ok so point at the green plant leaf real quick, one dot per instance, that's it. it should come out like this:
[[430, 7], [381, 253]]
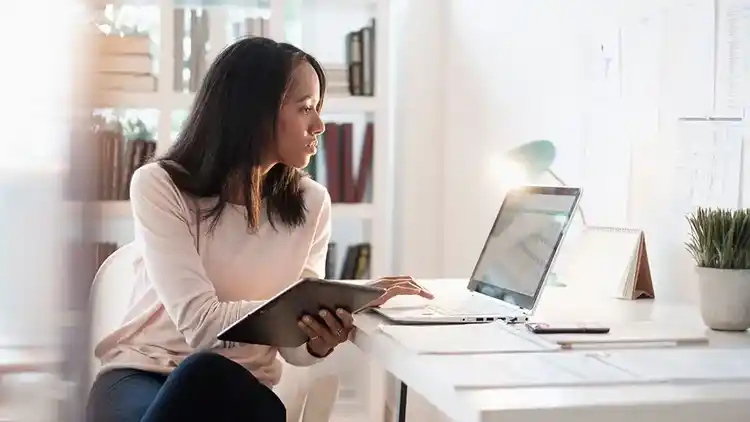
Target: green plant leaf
[[719, 238]]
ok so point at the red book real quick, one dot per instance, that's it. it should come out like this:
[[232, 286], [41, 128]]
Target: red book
[[332, 151]]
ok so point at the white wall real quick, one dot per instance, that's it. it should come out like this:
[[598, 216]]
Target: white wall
[[420, 138], [497, 74], [506, 72]]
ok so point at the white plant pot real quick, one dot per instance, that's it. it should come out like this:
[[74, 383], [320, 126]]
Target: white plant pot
[[724, 298]]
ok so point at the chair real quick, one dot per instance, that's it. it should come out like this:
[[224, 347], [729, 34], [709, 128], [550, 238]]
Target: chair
[[307, 398]]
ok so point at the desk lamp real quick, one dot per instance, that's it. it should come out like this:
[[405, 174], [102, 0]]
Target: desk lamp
[[527, 163]]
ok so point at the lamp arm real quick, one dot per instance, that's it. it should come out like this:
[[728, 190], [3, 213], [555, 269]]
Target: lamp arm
[[560, 180]]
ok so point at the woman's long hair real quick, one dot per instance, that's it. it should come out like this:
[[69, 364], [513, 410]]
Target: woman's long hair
[[232, 127]]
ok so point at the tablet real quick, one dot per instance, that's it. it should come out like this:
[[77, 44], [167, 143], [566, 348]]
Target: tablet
[[275, 322]]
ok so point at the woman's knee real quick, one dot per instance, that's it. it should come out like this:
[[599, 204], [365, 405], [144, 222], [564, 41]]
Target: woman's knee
[[212, 365], [208, 360], [122, 395]]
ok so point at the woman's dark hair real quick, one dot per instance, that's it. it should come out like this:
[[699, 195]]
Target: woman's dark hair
[[232, 125]]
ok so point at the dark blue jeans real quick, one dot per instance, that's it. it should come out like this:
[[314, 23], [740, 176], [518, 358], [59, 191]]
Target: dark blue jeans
[[204, 387]]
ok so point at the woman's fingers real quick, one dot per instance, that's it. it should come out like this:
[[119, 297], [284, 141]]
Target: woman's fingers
[[400, 289], [319, 330], [397, 277], [425, 294], [410, 288], [346, 318], [334, 326], [393, 281], [312, 334], [386, 282], [393, 292]]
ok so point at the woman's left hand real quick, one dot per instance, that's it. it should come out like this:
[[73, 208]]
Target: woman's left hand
[[324, 337]]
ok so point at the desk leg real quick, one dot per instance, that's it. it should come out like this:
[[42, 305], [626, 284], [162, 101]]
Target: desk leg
[[401, 412]]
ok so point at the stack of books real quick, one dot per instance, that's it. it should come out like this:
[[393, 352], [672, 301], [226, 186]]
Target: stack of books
[[252, 27], [337, 79], [360, 60], [125, 63]]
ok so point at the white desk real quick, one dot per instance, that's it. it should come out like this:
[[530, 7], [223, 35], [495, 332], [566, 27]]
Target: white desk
[[726, 402]]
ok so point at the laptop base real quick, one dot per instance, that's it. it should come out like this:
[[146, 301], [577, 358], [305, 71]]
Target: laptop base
[[424, 316]]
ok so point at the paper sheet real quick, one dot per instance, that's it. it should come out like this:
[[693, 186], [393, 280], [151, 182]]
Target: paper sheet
[[463, 339], [688, 57], [733, 57], [528, 370], [640, 332], [683, 365], [709, 165]]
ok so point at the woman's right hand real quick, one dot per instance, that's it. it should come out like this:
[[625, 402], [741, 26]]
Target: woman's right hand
[[397, 286]]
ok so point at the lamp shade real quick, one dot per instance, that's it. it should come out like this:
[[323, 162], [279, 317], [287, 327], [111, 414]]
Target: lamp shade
[[536, 157]]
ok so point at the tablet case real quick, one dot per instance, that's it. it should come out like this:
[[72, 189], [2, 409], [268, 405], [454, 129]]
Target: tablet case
[[275, 322]]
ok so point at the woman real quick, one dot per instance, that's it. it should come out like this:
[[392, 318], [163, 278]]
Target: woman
[[224, 220]]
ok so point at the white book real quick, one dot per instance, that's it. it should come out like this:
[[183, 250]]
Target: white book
[[682, 365], [125, 63], [127, 82], [635, 333], [612, 259], [128, 44], [516, 370], [494, 337]]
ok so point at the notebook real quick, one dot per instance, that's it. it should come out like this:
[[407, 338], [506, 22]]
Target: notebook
[[634, 333], [578, 369], [612, 259], [688, 365], [517, 370], [495, 337]]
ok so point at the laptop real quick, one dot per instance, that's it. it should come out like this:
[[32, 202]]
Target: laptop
[[514, 264]]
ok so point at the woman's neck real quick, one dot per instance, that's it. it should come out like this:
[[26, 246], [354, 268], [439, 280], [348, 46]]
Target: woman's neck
[[237, 197]]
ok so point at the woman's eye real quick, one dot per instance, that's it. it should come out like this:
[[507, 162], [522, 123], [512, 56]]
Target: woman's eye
[[308, 109]]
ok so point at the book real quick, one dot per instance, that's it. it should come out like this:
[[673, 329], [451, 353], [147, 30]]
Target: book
[[684, 365], [612, 259], [633, 334], [527, 370], [127, 44], [467, 339], [126, 63]]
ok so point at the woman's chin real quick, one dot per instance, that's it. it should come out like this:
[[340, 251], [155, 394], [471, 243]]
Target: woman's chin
[[299, 163]]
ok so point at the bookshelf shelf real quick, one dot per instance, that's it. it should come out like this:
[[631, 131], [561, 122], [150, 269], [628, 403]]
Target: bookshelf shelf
[[334, 104], [350, 104], [123, 99], [361, 211]]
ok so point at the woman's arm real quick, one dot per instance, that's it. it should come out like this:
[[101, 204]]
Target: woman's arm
[[162, 230], [314, 267]]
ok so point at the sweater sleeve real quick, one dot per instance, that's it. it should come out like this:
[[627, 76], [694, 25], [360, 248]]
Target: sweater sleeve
[[162, 228], [314, 267]]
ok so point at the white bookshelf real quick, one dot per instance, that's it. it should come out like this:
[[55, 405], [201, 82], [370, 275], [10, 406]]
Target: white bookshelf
[[311, 25], [377, 109]]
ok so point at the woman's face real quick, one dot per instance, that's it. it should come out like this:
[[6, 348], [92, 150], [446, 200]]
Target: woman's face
[[299, 123]]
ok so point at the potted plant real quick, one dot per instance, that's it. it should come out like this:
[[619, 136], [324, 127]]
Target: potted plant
[[719, 243]]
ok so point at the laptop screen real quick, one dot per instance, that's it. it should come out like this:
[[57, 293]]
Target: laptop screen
[[523, 243]]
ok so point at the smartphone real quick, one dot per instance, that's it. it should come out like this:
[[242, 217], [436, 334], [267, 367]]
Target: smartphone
[[544, 328]]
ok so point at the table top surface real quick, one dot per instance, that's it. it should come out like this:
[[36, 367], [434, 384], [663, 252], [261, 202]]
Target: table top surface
[[559, 304]]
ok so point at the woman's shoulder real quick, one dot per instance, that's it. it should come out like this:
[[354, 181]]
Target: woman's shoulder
[[152, 183], [150, 178], [316, 195], [150, 171]]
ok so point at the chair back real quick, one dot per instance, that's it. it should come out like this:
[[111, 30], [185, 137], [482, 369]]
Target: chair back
[[307, 399], [111, 291]]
